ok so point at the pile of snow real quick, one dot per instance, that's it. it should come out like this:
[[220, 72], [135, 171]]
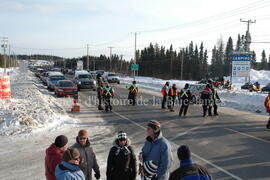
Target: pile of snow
[[236, 98], [29, 109]]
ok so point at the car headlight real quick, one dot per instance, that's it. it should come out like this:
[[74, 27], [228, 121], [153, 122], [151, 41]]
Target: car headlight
[[94, 82], [79, 82]]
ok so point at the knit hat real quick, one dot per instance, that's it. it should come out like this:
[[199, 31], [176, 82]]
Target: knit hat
[[150, 168], [70, 154], [121, 135], [183, 152], [60, 141], [83, 133], [154, 125]]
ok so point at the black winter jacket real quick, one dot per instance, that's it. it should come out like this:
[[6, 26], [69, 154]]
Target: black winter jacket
[[121, 163]]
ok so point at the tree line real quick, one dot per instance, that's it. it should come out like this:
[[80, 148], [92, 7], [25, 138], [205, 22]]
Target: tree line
[[10, 61], [167, 63]]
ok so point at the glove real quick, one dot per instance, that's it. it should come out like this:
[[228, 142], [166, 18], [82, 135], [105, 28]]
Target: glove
[[97, 175]]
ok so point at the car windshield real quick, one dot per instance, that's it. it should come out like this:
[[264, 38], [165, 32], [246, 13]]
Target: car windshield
[[65, 84], [56, 78], [111, 74], [85, 76]]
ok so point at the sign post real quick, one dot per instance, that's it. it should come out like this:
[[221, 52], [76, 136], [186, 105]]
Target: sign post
[[134, 68]]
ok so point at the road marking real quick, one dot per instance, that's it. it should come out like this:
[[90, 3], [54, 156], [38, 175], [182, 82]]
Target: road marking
[[195, 155], [248, 135]]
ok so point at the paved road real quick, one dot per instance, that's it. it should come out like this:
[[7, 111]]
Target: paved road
[[234, 145]]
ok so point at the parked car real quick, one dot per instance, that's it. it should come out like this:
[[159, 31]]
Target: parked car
[[65, 88], [84, 80], [39, 71], [111, 78], [266, 88], [52, 79], [43, 77], [100, 72], [247, 86], [196, 90]]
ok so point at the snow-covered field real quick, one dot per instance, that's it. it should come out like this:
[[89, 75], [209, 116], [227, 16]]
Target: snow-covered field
[[236, 98]]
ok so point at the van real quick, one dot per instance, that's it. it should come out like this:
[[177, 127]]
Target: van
[[84, 80]]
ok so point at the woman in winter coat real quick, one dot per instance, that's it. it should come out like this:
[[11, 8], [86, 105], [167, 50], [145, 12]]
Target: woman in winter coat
[[69, 169], [121, 163]]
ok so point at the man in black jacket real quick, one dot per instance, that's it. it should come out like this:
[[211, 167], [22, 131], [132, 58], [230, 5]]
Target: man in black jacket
[[188, 170], [185, 96]]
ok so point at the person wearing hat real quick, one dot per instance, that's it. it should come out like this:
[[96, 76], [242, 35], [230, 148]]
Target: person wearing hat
[[54, 155], [121, 161], [69, 168], [88, 157], [185, 96], [157, 149], [187, 169], [206, 97], [149, 170], [164, 92], [133, 91]]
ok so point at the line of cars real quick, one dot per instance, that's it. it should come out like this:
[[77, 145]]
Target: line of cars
[[61, 85]]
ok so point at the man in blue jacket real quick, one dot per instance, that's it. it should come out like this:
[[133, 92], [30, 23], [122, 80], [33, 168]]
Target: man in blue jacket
[[188, 170], [157, 149]]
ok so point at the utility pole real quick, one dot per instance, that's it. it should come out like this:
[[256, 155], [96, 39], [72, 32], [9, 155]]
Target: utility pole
[[248, 37], [182, 63], [135, 55], [4, 46], [87, 60], [110, 47]]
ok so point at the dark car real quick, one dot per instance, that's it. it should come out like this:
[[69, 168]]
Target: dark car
[[65, 88], [266, 88], [247, 86]]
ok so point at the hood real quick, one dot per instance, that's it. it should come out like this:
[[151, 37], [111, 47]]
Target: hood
[[72, 167], [116, 142], [87, 144], [53, 150]]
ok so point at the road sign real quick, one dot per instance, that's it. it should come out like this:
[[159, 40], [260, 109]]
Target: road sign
[[241, 65], [135, 67]]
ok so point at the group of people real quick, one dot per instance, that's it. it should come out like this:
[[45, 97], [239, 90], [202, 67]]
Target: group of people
[[208, 95], [154, 160], [105, 94]]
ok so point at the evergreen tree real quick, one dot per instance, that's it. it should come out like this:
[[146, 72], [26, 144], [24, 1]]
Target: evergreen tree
[[228, 57], [263, 61]]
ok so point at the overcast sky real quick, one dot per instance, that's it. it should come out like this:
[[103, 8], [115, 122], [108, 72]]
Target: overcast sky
[[64, 27]]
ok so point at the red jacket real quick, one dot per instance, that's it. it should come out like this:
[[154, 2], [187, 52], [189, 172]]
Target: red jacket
[[53, 157], [267, 103]]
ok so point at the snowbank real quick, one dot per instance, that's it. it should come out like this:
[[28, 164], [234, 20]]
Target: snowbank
[[29, 109]]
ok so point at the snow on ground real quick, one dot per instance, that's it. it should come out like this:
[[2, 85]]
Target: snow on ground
[[29, 109], [236, 98]]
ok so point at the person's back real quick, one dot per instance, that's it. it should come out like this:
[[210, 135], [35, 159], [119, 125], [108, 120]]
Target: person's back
[[187, 169]]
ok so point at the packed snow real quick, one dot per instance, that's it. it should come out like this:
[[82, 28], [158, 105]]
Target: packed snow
[[236, 98], [29, 109]]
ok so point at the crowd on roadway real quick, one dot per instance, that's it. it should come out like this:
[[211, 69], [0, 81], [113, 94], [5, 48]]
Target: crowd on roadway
[[152, 163]]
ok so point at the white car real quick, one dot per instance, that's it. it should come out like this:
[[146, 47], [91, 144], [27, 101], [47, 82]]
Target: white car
[[112, 78], [196, 90]]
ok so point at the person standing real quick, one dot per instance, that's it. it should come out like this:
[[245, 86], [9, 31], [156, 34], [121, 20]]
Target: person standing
[[133, 91], [157, 149], [164, 92], [121, 160], [206, 96], [69, 168], [108, 93], [172, 94], [185, 96], [267, 106], [88, 157], [188, 170], [54, 155], [99, 95], [215, 98]]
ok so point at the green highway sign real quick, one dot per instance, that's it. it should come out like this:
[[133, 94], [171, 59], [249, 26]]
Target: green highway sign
[[135, 67]]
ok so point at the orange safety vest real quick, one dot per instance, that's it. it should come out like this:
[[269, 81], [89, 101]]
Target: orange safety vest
[[173, 92]]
